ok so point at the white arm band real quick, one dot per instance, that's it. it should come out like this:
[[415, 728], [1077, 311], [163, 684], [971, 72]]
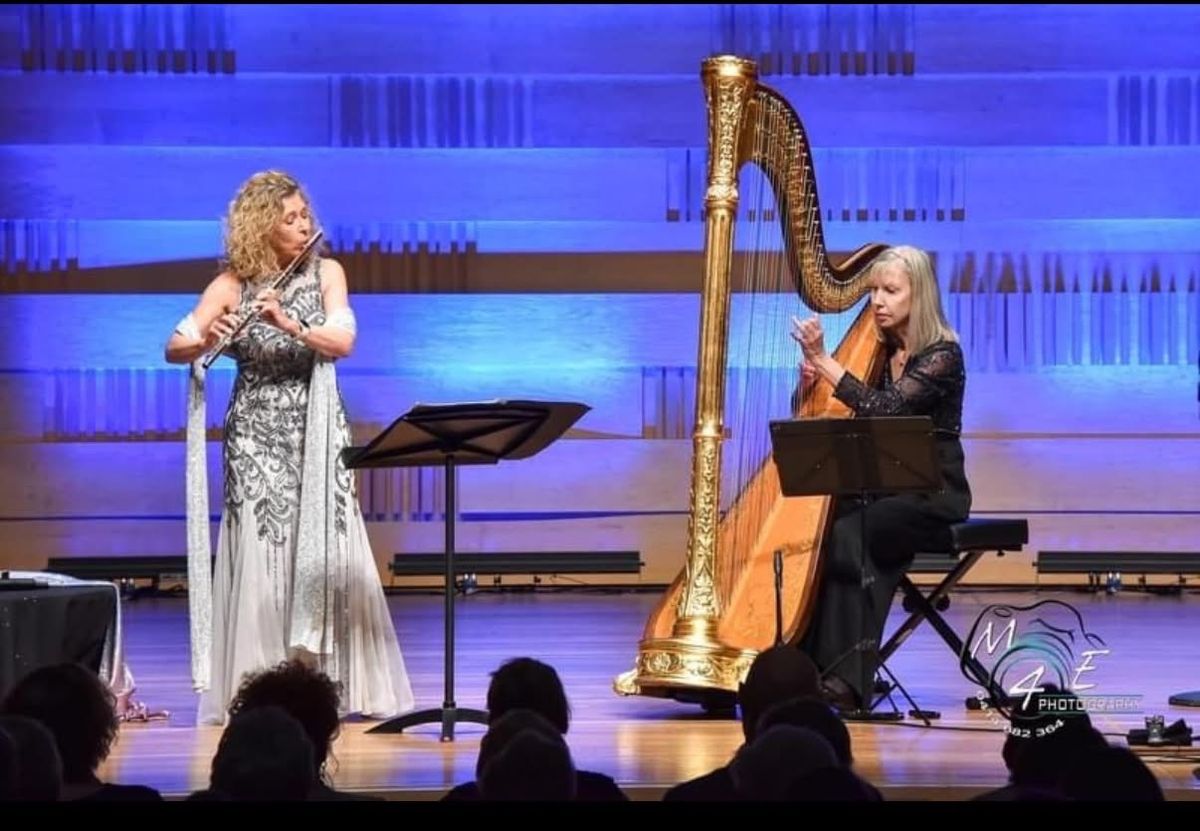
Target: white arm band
[[188, 328], [343, 319]]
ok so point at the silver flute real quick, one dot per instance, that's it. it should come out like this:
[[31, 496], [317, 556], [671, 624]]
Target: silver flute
[[276, 284]]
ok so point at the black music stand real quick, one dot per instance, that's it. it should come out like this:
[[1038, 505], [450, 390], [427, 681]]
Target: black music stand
[[449, 435], [858, 457]]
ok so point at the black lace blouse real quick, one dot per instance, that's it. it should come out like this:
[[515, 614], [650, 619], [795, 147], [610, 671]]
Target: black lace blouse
[[932, 384]]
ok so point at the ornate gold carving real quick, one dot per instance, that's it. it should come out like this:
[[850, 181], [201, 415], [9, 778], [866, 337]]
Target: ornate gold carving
[[626, 683], [724, 195], [723, 160], [688, 668], [728, 85], [699, 597]]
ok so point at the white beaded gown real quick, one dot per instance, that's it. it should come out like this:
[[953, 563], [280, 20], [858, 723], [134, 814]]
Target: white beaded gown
[[294, 575]]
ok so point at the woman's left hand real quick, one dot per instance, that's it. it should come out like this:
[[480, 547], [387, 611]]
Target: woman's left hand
[[808, 376], [270, 311], [810, 336]]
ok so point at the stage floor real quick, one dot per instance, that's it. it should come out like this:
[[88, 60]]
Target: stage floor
[[646, 744]]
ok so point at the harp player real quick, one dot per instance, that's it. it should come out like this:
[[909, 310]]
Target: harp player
[[924, 374]]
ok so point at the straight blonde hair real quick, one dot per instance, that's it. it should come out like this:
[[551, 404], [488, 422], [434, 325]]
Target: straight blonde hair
[[927, 322]]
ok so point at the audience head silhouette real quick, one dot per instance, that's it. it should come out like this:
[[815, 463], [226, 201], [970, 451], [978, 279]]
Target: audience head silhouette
[[777, 674], [305, 693], [766, 768], [1046, 739], [814, 714], [1110, 774], [529, 684], [524, 757], [836, 784], [264, 755], [38, 773], [77, 708]]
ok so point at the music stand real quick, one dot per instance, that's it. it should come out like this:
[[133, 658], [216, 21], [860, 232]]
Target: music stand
[[449, 435], [858, 457]]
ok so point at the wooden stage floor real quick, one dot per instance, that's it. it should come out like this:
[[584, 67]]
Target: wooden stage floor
[[647, 745]]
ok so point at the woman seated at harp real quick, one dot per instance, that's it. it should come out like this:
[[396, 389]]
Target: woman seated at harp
[[924, 374]]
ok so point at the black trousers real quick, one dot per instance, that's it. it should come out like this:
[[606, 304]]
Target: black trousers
[[897, 527]]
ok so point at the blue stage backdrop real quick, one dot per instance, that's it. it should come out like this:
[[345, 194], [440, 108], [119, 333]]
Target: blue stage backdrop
[[515, 193]]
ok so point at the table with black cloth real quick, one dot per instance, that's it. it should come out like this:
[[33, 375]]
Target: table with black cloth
[[59, 624]]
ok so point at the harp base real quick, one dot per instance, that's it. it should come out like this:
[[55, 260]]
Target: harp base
[[688, 667]]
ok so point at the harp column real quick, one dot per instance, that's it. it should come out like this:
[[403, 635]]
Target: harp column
[[693, 656]]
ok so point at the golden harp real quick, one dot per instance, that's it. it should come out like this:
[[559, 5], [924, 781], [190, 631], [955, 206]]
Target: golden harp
[[721, 610]]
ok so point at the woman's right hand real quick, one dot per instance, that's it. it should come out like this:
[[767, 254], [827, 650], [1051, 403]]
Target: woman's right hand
[[221, 328], [810, 336]]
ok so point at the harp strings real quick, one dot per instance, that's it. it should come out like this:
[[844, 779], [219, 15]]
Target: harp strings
[[761, 359]]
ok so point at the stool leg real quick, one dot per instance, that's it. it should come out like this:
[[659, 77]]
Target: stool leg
[[924, 609], [910, 624], [979, 674], [940, 592]]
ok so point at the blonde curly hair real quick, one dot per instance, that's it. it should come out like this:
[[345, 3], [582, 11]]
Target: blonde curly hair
[[253, 214]]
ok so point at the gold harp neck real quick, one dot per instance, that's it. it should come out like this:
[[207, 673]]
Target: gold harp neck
[[778, 143]]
